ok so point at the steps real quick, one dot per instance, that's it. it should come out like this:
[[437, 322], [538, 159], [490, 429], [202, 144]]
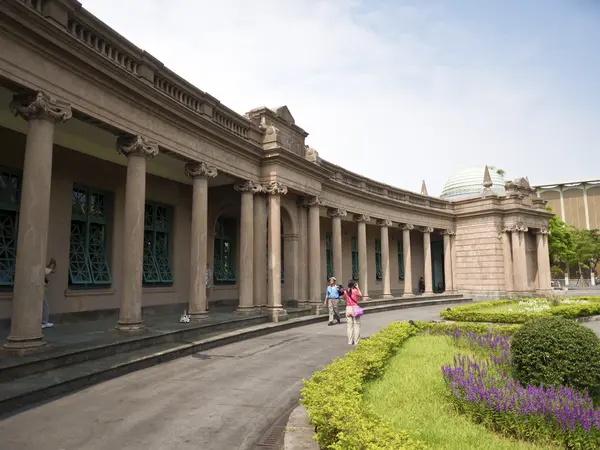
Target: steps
[[53, 375]]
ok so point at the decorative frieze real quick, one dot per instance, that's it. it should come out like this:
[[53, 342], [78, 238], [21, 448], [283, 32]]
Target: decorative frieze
[[200, 170], [361, 218], [136, 146], [276, 188], [336, 212], [384, 223], [40, 106], [249, 186]]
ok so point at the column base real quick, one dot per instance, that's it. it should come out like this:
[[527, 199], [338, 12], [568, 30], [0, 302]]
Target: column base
[[247, 310], [387, 296], [428, 293], [277, 314], [23, 346], [408, 295], [128, 327], [198, 316], [318, 308]]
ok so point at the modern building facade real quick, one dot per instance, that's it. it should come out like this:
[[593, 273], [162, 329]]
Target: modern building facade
[[134, 181]]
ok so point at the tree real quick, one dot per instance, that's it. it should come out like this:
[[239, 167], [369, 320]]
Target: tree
[[585, 249], [559, 240], [500, 172]]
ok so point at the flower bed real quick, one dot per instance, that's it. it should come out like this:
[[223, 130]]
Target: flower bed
[[481, 387], [520, 311]]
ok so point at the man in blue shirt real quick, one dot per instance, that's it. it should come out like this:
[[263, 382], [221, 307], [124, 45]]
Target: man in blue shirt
[[332, 296]]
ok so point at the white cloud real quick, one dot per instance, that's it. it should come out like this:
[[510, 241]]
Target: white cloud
[[395, 93]]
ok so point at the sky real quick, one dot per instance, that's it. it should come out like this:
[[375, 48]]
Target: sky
[[398, 91]]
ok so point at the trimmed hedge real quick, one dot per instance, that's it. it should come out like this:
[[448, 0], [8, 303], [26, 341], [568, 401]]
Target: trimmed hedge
[[479, 312], [467, 327], [333, 396]]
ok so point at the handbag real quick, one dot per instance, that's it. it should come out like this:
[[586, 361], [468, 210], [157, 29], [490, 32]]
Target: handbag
[[357, 311]]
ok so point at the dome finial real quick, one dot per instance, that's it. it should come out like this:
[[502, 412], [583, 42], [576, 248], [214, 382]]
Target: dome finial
[[487, 181], [424, 189]]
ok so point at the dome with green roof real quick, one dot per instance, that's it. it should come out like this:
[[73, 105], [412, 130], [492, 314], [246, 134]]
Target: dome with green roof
[[469, 183]]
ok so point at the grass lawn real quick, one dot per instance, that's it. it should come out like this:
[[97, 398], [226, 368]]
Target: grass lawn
[[413, 397]]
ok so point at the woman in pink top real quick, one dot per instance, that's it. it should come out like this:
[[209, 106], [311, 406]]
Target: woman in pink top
[[352, 294]]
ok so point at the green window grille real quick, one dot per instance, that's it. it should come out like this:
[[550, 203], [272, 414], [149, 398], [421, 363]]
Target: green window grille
[[400, 261], [10, 195], [282, 253], [157, 245], [355, 258], [88, 261], [378, 274], [224, 258], [329, 254]]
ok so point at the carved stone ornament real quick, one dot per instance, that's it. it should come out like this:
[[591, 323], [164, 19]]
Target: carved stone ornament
[[542, 230], [407, 226], [136, 146], [249, 186], [276, 188], [427, 230], [199, 170], [448, 232], [384, 223], [314, 201], [40, 106], [519, 227], [336, 212], [361, 218]]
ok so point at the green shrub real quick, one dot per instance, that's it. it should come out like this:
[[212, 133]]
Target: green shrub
[[472, 327], [333, 396], [555, 351]]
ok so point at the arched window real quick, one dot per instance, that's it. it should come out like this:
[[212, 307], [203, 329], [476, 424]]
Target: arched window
[[224, 260]]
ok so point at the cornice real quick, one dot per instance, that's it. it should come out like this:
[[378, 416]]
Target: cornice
[[290, 160]]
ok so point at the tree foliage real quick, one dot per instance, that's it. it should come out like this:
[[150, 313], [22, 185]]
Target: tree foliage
[[559, 240], [585, 249]]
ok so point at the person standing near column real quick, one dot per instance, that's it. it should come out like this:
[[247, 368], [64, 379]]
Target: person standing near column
[[332, 296], [352, 294], [50, 268]]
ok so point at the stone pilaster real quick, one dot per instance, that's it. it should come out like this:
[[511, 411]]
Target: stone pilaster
[[274, 308], [385, 257], [448, 261], [137, 149], [246, 282], [544, 286], [508, 261], [519, 258], [200, 173], [260, 251], [363, 269], [41, 113], [406, 249], [314, 252], [336, 226], [427, 272]]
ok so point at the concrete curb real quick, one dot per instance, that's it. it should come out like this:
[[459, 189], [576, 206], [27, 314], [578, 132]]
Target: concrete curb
[[11, 402], [299, 432]]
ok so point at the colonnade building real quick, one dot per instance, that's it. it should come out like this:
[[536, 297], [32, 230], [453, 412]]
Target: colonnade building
[[134, 181]]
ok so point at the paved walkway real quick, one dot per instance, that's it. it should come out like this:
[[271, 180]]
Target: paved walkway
[[222, 399]]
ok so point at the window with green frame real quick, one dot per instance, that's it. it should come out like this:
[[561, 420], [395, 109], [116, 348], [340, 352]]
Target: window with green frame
[[378, 275], [400, 261], [88, 259], [10, 195], [329, 254], [355, 258], [224, 258], [158, 226]]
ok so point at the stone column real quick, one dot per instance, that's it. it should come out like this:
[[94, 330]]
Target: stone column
[[363, 268], [543, 261], [385, 257], [200, 173], [408, 281], [314, 253], [246, 282], [454, 267], [427, 272], [260, 251], [448, 262], [42, 113], [274, 307], [508, 262], [519, 259], [336, 226], [302, 252], [137, 149]]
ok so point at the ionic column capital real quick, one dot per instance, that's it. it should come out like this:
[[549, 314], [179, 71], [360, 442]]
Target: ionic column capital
[[518, 227], [39, 105], [384, 223], [427, 229], [199, 170], [336, 212], [361, 218], [275, 188], [543, 230], [314, 201], [136, 146], [407, 227], [249, 186], [448, 232]]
